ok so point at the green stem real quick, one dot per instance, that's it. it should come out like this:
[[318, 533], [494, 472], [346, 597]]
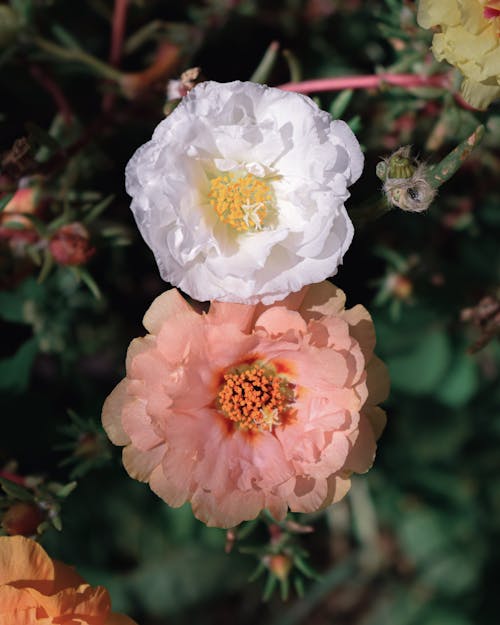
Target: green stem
[[73, 54], [263, 70], [302, 608], [369, 211], [444, 170]]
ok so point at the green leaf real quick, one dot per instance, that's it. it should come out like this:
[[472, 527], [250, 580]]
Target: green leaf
[[421, 369], [15, 371], [11, 489], [5, 200], [422, 535], [98, 209], [460, 382], [12, 303], [265, 67], [65, 37], [340, 103]]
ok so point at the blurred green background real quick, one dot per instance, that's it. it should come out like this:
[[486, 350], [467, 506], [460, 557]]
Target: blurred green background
[[417, 540]]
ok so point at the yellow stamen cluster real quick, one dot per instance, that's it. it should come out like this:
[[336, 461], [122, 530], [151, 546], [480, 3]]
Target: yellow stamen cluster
[[254, 398], [241, 202]]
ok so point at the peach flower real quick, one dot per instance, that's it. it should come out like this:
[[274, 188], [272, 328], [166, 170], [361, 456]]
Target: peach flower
[[35, 590], [250, 407]]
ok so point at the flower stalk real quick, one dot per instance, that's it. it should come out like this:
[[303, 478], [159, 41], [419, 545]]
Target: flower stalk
[[444, 170], [77, 55], [406, 81]]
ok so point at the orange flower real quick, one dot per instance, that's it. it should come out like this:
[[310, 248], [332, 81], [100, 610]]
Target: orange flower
[[36, 590]]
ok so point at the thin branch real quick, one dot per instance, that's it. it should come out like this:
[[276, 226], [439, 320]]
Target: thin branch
[[53, 89], [72, 54], [367, 82], [118, 31]]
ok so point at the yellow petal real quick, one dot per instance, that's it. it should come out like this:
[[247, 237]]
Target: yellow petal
[[479, 95], [438, 12]]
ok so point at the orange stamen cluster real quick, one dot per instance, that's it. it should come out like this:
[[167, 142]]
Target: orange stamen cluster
[[253, 398], [241, 202]]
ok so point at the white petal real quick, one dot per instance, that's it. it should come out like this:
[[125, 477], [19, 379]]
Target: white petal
[[282, 137]]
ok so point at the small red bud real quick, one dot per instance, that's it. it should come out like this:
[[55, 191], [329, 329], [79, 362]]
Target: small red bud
[[22, 518], [280, 565], [400, 286], [70, 245]]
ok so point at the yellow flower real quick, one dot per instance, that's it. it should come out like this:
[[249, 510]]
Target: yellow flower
[[468, 37]]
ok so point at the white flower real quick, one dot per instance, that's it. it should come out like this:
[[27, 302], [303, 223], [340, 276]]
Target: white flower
[[240, 193]]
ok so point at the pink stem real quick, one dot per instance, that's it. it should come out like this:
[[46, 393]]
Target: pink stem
[[366, 82], [49, 84], [12, 477], [118, 31], [115, 54]]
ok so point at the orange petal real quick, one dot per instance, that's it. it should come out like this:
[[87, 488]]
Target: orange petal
[[15, 600], [84, 601], [22, 561], [65, 576]]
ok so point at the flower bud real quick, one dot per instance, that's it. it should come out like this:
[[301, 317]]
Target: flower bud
[[405, 181], [22, 518], [400, 286], [280, 565], [70, 245]]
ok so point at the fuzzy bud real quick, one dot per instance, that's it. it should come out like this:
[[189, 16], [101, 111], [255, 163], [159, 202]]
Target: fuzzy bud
[[405, 182], [70, 245]]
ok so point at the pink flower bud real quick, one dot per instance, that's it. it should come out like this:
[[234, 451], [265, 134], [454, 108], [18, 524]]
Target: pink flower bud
[[280, 565], [70, 245]]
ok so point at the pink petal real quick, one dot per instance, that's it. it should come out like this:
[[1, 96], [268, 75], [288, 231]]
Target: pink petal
[[309, 494], [164, 307], [111, 414], [140, 464], [377, 380], [361, 329], [241, 315], [377, 418], [138, 346], [137, 424], [322, 299], [279, 320], [362, 453]]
